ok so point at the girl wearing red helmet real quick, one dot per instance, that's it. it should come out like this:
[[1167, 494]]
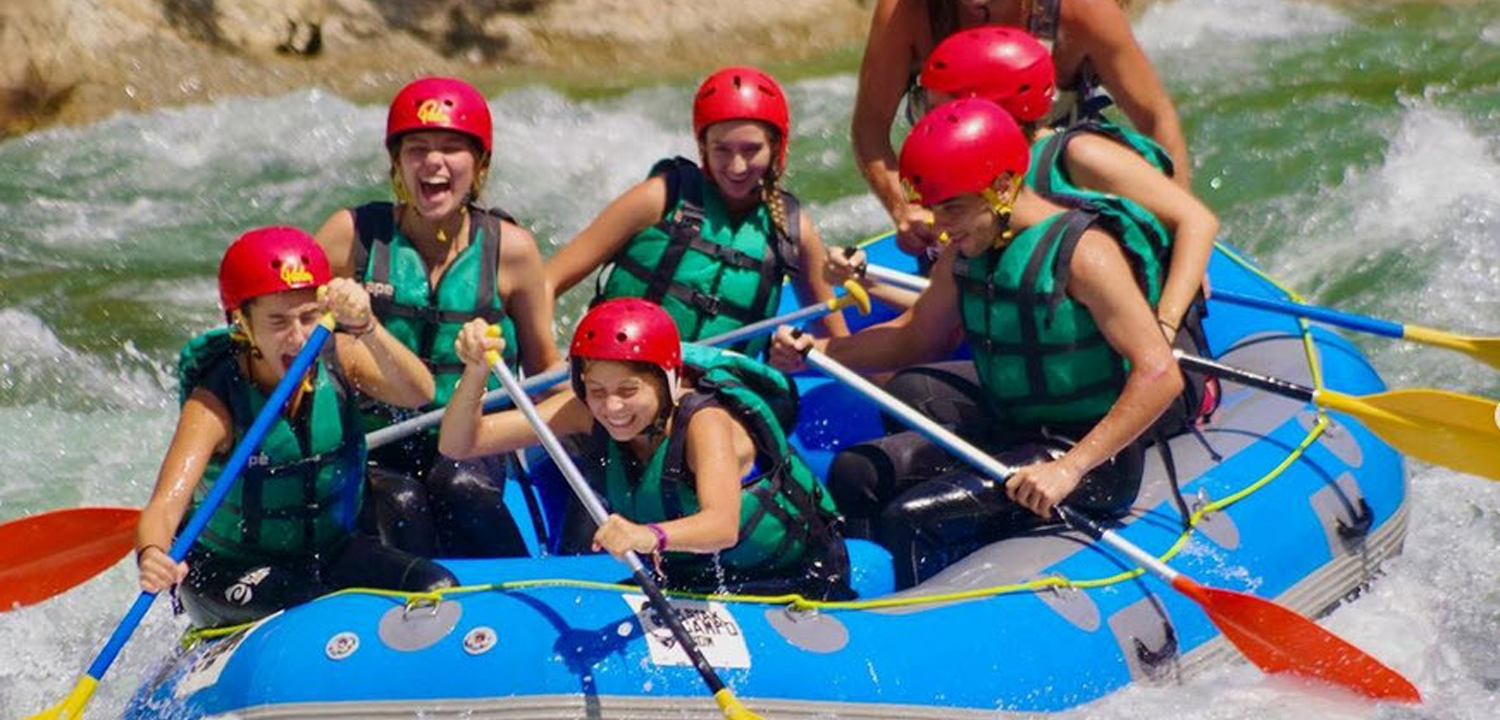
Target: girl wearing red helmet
[[431, 261], [285, 534], [691, 446], [1091, 43], [1068, 371], [711, 244]]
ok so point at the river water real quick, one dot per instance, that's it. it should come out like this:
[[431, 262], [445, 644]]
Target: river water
[[1352, 151]]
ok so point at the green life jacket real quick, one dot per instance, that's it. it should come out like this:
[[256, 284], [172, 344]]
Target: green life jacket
[[1040, 356], [300, 494], [394, 273], [1048, 176], [712, 275], [784, 510]]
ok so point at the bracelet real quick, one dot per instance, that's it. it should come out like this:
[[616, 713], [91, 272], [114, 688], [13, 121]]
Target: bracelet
[[1167, 325], [363, 330], [142, 549], [661, 536]]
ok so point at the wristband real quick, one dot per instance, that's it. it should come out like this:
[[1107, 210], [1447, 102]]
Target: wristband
[[363, 330], [661, 536]]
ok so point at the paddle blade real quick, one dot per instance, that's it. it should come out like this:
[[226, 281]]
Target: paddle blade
[[1278, 640], [1443, 428], [48, 553], [1483, 349]]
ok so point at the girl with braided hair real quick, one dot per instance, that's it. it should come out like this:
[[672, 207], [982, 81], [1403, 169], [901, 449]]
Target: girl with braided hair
[[712, 243]]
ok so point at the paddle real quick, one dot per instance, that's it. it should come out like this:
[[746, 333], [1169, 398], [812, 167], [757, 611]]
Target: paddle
[[728, 703], [1443, 428], [72, 706], [497, 398], [1483, 349], [45, 554], [1273, 637]]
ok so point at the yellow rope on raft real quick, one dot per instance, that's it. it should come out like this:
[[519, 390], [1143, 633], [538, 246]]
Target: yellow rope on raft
[[799, 602]]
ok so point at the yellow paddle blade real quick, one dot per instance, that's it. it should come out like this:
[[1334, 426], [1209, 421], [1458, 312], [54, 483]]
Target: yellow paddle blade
[[1443, 428], [72, 707], [1483, 349], [732, 707]]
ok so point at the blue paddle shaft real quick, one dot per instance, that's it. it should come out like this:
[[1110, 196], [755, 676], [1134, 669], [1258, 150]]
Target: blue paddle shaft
[[1332, 317], [216, 495]]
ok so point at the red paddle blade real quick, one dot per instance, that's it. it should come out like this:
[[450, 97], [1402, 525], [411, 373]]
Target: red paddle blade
[[1279, 640], [45, 554]]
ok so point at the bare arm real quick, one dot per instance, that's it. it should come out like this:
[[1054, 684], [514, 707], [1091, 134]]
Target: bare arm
[[1100, 163], [1102, 282], [925, 332], [898, 32], [337, 238], [523, 291], [719, 453], [639, 208], [203, 428], [1100, 30], [467, 433], [809, 283], [717, 462], [376, 362]]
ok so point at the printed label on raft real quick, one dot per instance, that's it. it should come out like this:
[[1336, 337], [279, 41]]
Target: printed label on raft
[[210, 665], [710, 624]]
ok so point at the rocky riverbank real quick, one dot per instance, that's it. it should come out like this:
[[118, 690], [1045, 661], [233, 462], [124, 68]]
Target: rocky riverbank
[[76, 61]]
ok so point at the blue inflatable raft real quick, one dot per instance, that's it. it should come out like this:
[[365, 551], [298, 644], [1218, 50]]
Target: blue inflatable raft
[[1286, 503]]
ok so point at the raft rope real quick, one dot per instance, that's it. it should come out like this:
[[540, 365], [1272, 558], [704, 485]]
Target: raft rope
[[797, 602]]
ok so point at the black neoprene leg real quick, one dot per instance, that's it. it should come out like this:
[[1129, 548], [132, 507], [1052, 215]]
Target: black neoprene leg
[[402, 513], [364, 562], [468, 505], [865, 477], [221, 591], [939, 521]]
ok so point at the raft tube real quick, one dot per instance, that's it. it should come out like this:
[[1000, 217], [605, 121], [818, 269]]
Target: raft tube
[[1284, 502]]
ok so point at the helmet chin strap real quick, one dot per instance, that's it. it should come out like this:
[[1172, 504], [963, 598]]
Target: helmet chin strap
[[239, 332], [1002, 208]]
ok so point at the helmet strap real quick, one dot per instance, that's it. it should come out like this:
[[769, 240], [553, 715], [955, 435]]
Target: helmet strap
[[1002, 208], [239, 333], [398, 188], [481, 174]]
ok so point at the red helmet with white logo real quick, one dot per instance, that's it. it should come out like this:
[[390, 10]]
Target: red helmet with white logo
[[630, 330], [437, 103], [270, 260], [1004, 65], [742, 93], [961, 147]]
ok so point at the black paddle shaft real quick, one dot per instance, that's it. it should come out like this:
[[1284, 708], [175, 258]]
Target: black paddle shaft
[[1270, 384]]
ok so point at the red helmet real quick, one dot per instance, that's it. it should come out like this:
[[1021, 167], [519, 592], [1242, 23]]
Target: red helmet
[[742, 93], [1004, 65], [628, 329], [439, 104], [270, 260], [961, 147]]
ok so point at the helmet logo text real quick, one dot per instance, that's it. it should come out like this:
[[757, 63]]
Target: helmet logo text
[[432, 112], [296, 274]]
